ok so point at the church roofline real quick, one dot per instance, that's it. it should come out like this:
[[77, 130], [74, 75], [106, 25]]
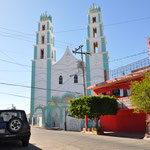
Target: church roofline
[[65, 55]]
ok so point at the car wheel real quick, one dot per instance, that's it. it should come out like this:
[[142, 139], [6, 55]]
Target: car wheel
[[14, 125], [25, 143]]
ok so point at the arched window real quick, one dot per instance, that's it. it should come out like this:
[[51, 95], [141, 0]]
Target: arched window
[[94, 32], [94, 19], [95, 45], [75, 79], [60, 80], [43, 27], [43, 39], [42, 54]]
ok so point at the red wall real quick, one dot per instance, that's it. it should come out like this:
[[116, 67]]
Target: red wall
[[122, 85], [124, 121]]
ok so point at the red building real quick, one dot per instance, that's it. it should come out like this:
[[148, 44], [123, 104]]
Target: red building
[[125, 120]]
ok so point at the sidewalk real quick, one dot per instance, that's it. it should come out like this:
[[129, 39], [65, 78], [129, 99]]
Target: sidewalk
[[113, 134], [125, 135]]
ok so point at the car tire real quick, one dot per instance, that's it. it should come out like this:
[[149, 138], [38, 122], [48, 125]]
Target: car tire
[[25, 143], [14, 125]]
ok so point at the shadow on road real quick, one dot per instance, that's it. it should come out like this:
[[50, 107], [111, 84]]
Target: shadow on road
[[126, 135], [17, 146]]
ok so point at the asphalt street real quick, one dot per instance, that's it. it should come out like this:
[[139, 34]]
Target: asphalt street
[[43, 139]]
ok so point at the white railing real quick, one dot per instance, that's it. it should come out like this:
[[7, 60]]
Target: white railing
[[124, 102]]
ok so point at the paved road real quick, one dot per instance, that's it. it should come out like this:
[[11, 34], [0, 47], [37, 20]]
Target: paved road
[[42, 139]]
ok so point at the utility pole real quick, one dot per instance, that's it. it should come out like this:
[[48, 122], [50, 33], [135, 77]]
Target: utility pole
[[83, 72]]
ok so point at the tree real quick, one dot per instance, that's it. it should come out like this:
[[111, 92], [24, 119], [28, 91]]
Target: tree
[[93, 107], [140, 98]]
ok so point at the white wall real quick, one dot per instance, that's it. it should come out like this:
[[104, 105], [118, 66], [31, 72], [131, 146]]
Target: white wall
[[66, 67], [73, 124], [40, 82]]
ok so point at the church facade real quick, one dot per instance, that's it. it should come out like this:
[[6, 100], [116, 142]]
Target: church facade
[[53, 83]]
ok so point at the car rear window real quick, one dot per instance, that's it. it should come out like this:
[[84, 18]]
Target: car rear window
[[7, 115]]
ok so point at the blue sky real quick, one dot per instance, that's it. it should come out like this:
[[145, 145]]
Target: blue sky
[[22, 17]]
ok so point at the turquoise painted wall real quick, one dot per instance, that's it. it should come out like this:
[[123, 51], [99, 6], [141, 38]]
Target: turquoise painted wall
[[106, 65], [32, 89], [38, 26], [88, 30], [48, 81], [99, 18], [55, 55], [37, 38], [48, 25], [48, 37], [89, 19], [49, 64], [48, 51], [88, 67], [101, 30], [35, 52], [49, 117], [103, 45]]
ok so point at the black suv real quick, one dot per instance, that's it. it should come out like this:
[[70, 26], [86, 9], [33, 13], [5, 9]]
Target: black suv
[[14, 126]]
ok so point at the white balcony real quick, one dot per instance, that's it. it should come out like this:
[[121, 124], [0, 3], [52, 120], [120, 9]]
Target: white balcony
[[124, 103]]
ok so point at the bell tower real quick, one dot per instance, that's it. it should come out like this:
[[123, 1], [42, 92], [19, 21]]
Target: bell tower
[[97, 69], [45, 39], [44, 58]]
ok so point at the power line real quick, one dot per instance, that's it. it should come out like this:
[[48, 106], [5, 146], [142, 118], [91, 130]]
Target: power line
[[106, 25], [16, 63], [11, 58], [128, 56], [71, 30], [16, 38], [24, 33], [15, 95], [128, 21], [24, 86], [26, 38]]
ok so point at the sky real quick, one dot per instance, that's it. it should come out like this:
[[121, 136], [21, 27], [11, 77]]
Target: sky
[[19, 23]]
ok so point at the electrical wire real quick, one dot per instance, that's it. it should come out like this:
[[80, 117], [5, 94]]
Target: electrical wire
[[129, 56], [24, 86], [71, 30]]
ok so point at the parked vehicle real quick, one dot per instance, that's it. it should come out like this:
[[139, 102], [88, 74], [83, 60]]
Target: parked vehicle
[[14, 126]]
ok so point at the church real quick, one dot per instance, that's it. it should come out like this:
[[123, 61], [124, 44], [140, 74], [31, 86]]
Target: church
[[54, 83]]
